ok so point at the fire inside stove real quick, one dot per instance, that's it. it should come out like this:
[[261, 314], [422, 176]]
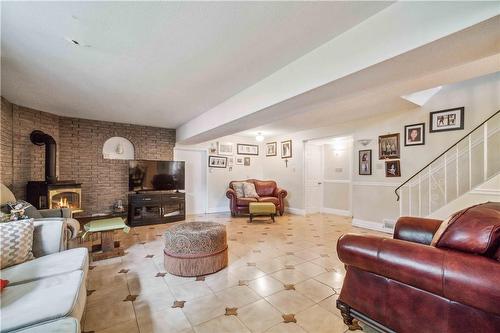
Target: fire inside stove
[[67, 198], [63, 203]]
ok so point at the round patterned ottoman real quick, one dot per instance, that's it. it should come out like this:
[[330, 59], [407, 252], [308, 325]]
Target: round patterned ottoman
[[195, 248]]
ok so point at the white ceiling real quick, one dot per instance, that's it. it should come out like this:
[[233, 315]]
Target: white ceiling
[[403, 42], [470, 53], [156, 63]]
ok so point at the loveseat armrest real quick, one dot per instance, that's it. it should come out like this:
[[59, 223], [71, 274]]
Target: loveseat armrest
[[56, 212], [230, 193], [460, 277], [416, 230], [280, 193], [48, 237]]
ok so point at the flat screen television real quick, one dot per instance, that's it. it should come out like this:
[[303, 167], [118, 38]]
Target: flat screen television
[[146, 175]]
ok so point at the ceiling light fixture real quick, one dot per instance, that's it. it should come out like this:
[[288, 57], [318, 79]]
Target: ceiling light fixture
[[259, 137], [364, 142]]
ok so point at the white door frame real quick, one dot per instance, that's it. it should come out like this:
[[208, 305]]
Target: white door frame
[[205, 157], [305, 170]]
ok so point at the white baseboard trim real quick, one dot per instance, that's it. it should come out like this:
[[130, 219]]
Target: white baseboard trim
[[372, 225], [367, 183], [212, 210], [341, 212], [295, 211], [486, 191]]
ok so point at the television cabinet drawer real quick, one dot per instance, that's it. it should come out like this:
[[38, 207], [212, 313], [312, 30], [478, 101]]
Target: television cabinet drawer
[[145, 198]]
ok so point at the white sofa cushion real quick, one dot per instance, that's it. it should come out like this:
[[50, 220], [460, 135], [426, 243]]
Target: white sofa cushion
[[65, 325], [50, 265], [48, 299]]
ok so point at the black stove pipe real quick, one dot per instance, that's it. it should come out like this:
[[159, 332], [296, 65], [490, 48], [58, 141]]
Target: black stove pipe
[[40, 138]]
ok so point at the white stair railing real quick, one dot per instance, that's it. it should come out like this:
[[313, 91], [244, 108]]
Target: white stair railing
[[471, 161]]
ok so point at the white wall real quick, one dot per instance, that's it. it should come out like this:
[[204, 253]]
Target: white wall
[[291, 177], [337, 173], [373, 196], [218, 178]]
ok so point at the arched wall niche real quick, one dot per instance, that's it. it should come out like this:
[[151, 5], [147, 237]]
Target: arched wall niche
[[118, 148]]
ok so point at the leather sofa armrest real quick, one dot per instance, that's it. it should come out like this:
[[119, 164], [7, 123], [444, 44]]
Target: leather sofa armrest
[[460, 277], [416, 230], [280, 193], [230, 193], [56, 212]]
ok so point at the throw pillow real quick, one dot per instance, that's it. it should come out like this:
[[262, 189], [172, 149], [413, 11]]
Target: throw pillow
[[249, 190], [238, 188], [16, 242], [442, 228], [474, 230], [20, 209]]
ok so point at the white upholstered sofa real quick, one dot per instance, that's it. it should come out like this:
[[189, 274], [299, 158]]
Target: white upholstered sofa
[[46, 294]]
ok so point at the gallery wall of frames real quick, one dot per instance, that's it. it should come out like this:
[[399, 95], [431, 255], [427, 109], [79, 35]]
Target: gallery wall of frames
[[389, 145], [227, 154]]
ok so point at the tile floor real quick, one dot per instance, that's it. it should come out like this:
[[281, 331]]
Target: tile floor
[[289, 268]]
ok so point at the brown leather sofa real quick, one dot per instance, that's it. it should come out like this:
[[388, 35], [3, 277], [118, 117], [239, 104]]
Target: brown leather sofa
[[407, 285], [267, 190]]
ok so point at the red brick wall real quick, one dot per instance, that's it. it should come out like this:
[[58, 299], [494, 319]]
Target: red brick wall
[[6, 142], [79, 145], [27, 160], [105, 181]]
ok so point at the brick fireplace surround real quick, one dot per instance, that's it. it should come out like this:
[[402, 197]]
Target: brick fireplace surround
[[79, 148]]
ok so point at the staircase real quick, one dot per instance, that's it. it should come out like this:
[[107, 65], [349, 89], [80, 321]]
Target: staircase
[[460, 169]]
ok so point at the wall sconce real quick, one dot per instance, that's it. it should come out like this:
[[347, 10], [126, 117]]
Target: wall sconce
[[364, 142], [286, 163]]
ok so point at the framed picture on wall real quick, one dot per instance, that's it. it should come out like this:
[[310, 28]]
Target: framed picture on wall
[[286, 149], [271, 149], [392, 169], [239, 160], [244, 149], [415, 134], [213, 148], [225, 148], [388, 146], [246, 161], [217, 162], [365, 162], [447, 120]]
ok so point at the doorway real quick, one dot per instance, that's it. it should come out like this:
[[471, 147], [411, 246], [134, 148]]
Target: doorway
[[328, 176], [196, 178], [314, 177]]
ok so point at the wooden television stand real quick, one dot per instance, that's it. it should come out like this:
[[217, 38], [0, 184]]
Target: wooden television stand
[[156, 207]]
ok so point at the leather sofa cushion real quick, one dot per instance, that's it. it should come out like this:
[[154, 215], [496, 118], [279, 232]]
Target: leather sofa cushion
[[474, 230], [245, 201], [265, 188], [274, 200]]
